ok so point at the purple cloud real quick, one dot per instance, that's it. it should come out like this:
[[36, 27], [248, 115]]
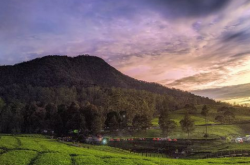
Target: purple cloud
[[187, 44]]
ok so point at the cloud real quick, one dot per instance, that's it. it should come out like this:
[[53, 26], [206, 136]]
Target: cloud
[[187, 8], [234, 70], [240, 36], [198, 79], [226, 93], [187, 44]]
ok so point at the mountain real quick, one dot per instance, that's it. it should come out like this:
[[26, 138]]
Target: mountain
[[81, 71]]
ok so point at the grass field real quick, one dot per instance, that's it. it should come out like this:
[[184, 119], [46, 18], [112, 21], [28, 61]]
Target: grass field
[[215, 129], [37, 150]]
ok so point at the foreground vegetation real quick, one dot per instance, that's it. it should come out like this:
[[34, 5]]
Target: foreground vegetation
[[37, 150]]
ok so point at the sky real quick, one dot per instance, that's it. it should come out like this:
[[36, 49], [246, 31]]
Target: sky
[[201, 46]]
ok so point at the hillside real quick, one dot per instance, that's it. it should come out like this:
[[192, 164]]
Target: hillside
[[81, 71]]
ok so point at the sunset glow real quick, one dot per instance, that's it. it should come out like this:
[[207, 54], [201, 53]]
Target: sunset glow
[[202, 47]]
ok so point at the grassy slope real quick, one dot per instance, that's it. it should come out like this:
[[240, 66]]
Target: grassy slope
[[214, 129], [39, 151]]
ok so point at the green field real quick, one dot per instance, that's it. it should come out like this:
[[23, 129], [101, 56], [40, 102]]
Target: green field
[[215, 129], [37, 150]]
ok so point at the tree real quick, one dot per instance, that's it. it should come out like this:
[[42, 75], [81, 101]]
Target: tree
[[38, 119], [51, 116], [124, 119], [225, 115], [11, 117], [74, 122], [17, 120], [229, 116], [73, 109], [141, 122], [62, 119], [96, 126], [166, 124], [223, 109], [17, 123], [204, 112], [220, 119], [82, 123], [6, 117], [76, 118], [2, 104], [90, 112], [112, 120], [59, 126], [187, 124], [28, 110], [191, 108]]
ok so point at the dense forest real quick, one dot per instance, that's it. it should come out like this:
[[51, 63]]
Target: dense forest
[[65, 106], [62, 93]]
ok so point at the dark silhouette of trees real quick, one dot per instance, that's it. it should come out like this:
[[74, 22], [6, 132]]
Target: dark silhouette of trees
[[90, 112], [141, 122], [116, 120], [112, 121], [96, 125], [124, 119], [2, 104]]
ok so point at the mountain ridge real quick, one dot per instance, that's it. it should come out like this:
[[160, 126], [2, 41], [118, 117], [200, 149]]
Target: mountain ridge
[[79, 71]]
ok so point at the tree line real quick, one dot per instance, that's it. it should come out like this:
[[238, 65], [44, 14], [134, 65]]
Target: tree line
[[85, 118], [66, 109]]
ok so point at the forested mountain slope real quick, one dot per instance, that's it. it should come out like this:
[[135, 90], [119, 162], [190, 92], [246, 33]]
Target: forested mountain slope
[[79, 72]]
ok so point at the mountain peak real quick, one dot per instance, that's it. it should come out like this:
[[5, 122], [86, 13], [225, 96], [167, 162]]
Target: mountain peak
[[59, 58], [80, 71]]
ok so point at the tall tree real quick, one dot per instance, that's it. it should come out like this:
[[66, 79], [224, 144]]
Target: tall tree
[[204, 112], [59, 126], [62, 119], [38, 119], [51, 116], [6, 117], [112, 121], [2, 104], [96, 125], [82, 125], [28, 110], [187, 124], [141, 122], [166, 124], [124, 119], [17, 123], [90, 112]]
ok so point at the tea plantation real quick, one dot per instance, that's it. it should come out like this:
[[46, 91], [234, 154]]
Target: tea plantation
[[38, 150]]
